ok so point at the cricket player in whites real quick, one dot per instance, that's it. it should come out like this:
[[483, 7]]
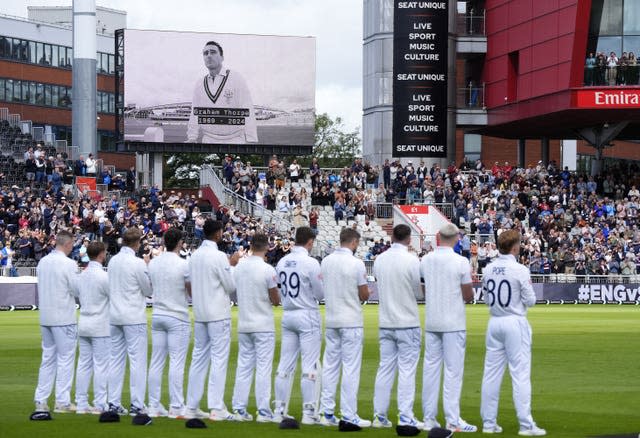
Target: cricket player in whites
[[397, 273], [508, 293], [257, 291], [92, 288], [170, 325], [345, 287], [447, 281], [300, 282]]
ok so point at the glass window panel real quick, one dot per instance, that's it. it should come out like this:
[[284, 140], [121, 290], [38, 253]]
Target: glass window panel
[[17, 93], [55, 53], [65, 97], [112, 67], [610, 44], [98, 99], [631, 44], [8, 87], [32, 93], [47, 95], [39, 94], [606, 17], [112, 104], [69, 57], [2, 85], [5, 47], [32, 52], [472, 144], [55, 95], [631, 17], [105, 103], [15, 48]]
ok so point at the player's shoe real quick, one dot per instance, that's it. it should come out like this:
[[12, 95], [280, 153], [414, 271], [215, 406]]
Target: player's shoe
[[242, 415], [176, 412], [158, 411], [404, 420], [118, 409], [42, 407], [135, 410], [430, 423], [67, 408], [194, 413], [88, 409], [381, 421], [491, 429], [327, 419], [532, 431], [220, 415], [266, 416], [309, 414], [462, 427], [357, 421]]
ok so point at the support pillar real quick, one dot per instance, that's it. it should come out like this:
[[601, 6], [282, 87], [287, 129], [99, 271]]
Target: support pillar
[[521, 153], [142, 168], [157, 160], [544, 150], [451, 85]]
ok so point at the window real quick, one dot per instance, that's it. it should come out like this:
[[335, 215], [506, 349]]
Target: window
[[32, 52], [5, 47], [55, 53], [39, 94], [32, 93], [2, 85], [472, 146], [45, 59], [47, 95]]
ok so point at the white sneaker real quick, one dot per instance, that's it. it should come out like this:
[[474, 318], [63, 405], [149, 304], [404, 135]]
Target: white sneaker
[[492, 429], [42, 407], [158, 411], [410, 421], [220, 415], [309, 414], [327, 419], [430, 423], [88, 409], [194, 413], [265, 416], [462, 427], [177, 412], [68, 408], [357, 421], [118, 409], [242, 415], [532, 431], [381, 421], [309, 419]]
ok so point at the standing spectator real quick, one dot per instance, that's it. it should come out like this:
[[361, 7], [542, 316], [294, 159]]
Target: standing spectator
[[56, 276], [170, 325], [80, 167], [131, 179], [30, 169], [129, 284], [447, 287], [92, 289], [397, 272], [90, 163], [211, 284], [294, 171]]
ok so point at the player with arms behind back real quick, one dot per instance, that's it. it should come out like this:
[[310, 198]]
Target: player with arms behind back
[[508, 293], [300, 281]]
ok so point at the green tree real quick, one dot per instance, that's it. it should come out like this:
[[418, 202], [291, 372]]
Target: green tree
[[334, 145], [183, 170]]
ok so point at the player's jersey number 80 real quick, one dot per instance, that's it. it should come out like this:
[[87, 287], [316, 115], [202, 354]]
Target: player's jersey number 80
[[290, 284], [500, 294]]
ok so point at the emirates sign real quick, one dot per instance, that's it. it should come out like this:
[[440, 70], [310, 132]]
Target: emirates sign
[[607, 98]]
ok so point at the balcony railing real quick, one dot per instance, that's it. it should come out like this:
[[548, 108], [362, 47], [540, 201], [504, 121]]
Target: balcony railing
[[471, 25], [612, 76], [471, 97]]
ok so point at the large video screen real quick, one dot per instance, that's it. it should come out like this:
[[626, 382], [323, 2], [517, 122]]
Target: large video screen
[[212, 88]]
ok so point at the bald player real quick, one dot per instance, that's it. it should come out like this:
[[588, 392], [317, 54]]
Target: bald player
[[508, 293]]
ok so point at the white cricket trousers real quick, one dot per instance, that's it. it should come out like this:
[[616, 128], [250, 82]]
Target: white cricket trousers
[[211, 346], [131, 341], [508, 341], [447, 347], [58, 357], [168, 336], [255, 351], [343, 348], [301, 333], [399, 350], [93, 360]]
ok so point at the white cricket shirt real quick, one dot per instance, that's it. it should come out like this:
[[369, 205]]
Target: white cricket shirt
[[168, 273], [254, 277], [129, 284], [397, 273], [342, 273], [444, 272], [300, 280], [92, 288], [506, 285], [211, 283], [56, 297]]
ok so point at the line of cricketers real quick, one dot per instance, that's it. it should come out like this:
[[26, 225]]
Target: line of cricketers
[[113, 326]]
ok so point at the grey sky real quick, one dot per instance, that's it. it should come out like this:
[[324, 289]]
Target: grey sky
[[336, 24]]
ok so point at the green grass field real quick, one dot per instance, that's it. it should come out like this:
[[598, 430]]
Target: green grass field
[[586, 363]]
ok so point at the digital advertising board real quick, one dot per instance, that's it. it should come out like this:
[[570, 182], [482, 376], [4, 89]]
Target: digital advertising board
[[214, 88], [420, 78]]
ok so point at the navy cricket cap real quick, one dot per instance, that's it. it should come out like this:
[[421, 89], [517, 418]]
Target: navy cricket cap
[[141, 420], [289, 423], [346, 426], [109, 417], [407, 430], [195, 423], [439, 432], [40, 416]]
